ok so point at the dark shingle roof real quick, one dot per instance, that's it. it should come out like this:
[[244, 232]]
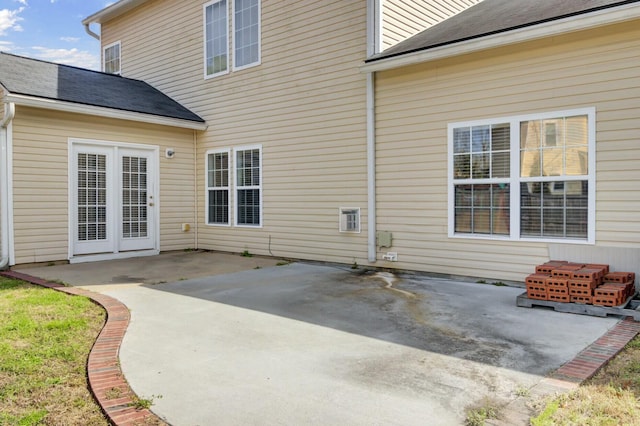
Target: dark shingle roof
[[40, 79], [492, 17]]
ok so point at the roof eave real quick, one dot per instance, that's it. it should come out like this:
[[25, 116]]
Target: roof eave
[[548, 29], [57, 105], [112, 11]]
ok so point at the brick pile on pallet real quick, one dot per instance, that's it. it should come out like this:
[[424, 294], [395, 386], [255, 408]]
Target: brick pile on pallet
[[569, 282]]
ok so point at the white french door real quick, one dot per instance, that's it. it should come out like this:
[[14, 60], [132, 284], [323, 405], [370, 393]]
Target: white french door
[[113, 199]]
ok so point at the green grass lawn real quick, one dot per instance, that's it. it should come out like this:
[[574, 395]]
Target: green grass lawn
[[611, 398], [45, 339]]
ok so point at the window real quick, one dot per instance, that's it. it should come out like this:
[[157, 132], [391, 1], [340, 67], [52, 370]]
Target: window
[[218, 187], [216, 31], [246, 33], [111, 58], [248, 200], [529, 177]]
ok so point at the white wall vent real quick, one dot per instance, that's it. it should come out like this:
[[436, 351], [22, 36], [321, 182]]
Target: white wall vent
[[350, 219]]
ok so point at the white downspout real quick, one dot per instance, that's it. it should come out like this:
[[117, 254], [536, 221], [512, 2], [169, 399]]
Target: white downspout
[[373, 45], [9, 113], [91, 33], [195, 189], [371, 168]]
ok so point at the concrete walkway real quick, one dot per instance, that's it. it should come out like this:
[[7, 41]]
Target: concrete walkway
[[305, 344]]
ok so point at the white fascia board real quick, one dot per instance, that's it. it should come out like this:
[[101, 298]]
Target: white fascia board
[[112, 11], [56, 105], [548, 29]]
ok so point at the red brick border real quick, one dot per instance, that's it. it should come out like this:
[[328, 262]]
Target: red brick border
[[587, 363], [106, 381]]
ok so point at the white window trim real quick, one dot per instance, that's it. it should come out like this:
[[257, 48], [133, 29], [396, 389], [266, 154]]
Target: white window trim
[[342, 229], [204, 40], [233, 37], [208, 188], [514, 179], [236, 187], [104, 63]]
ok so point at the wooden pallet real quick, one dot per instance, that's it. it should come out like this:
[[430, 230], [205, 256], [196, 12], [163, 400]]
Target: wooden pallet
[[631, 308]]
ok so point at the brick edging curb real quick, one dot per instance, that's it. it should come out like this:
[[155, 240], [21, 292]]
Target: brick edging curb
[[106, 381], [598, 354]]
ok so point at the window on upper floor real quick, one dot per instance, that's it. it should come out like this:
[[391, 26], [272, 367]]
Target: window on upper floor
[[523, 178], [246, 33], [245, 36], [216, 35], [111, 58]]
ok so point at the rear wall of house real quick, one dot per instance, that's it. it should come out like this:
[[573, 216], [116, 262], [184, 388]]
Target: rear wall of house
[[305, 104], [597, 68], [41, 176]]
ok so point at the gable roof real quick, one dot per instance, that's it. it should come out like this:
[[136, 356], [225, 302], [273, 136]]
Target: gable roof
[[39, 80], [495, 17]]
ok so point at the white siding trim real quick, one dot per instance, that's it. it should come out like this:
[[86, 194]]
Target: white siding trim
[[56, 105], [562, 26], [9, 187], [515, 180]]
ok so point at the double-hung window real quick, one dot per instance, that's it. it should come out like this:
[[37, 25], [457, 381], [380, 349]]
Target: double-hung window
[[248, 186], [111, 58], [218, 187], [522, 178], [244, 37], [243, 191]]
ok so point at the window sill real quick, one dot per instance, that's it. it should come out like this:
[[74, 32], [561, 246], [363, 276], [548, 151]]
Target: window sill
[[521, 239]]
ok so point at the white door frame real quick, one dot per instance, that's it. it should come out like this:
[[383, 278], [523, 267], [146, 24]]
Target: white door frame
[[154, 213]]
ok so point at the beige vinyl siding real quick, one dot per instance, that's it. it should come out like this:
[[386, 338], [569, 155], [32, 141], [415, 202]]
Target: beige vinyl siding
[[304, 104], [595, 68], [41, 176], [402, 19]]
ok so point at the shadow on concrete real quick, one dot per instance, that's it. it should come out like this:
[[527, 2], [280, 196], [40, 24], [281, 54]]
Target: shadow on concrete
[[464, 320]]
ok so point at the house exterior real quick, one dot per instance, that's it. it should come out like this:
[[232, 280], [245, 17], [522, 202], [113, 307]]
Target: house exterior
[[84, 171], [507, 136], [457, 137]]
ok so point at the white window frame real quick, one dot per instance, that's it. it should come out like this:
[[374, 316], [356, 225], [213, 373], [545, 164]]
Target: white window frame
[[238, 187], [104, 57], [515, 179], [204, 29], [218, 188], [233, 38], [343, 213]]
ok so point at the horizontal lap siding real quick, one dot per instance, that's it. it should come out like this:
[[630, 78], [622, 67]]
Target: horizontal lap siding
[[402, 19], [40, 175], [415, 104], [305, 104]]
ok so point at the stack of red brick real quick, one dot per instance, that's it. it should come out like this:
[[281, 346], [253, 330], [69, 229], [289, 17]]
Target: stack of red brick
[[562, 281]]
